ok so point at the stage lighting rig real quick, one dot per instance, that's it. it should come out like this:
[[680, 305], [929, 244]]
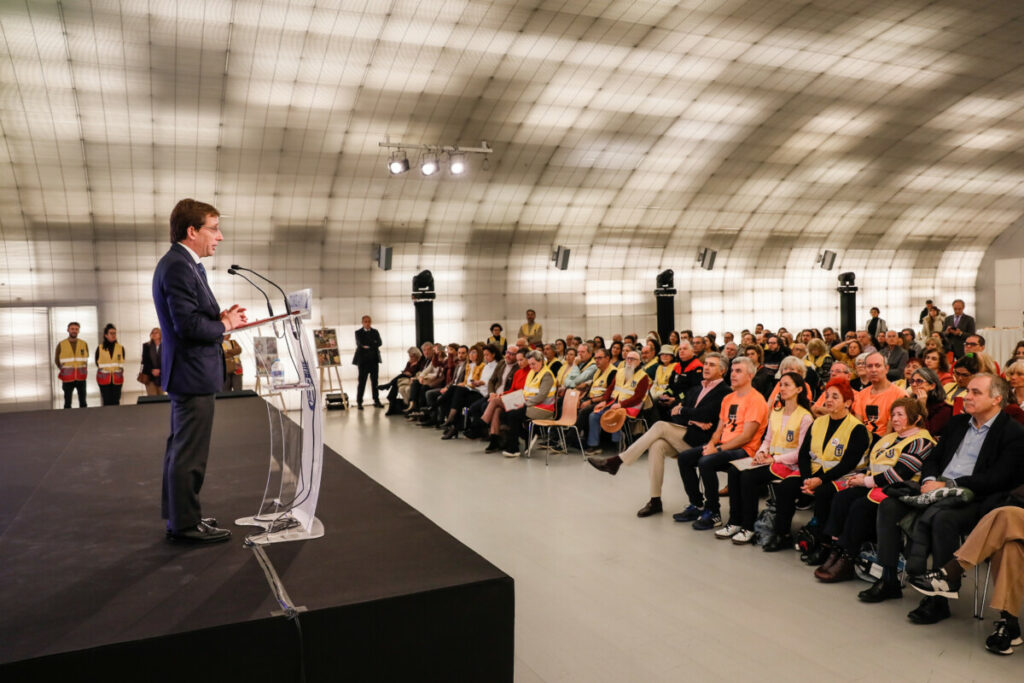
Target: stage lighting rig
[[432, 155]]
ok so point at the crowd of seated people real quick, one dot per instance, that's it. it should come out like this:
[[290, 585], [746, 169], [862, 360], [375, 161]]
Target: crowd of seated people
[[894, 441]]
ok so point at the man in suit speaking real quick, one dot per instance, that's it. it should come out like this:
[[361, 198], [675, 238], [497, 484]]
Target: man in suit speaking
[[192, 364]]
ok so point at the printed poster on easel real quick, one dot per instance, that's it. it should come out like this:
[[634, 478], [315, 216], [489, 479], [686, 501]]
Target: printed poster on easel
[[326, 341], [265, 349]]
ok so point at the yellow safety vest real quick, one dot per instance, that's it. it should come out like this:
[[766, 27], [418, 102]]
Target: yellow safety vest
[[826, 456], [952, 391], [648, 365], [110, 366], [886, 452], [901, 383], [661, 379], [562, 372], [532, 386], [788, 438], [625, 390], [600, 382], [74, 364]]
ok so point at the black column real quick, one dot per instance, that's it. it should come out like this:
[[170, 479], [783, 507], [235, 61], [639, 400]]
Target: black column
[[424, 321], [847, 304], [666, 315]]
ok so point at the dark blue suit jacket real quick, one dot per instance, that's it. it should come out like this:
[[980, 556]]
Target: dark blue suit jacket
[[191, 358]]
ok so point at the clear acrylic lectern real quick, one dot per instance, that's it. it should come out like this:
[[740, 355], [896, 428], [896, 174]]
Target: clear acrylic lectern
[[288, 509]]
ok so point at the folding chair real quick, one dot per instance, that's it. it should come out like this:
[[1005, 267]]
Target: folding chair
[[567, 420]]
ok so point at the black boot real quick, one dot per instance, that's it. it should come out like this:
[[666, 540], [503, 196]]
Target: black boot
[[494, 445], [886, 588]]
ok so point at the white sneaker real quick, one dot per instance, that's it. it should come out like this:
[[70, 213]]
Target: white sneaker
[[744, 537], [510, 454], [728, 531]]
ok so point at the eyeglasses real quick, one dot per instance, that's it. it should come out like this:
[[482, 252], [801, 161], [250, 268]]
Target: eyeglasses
[[918, 380], [964, 373]]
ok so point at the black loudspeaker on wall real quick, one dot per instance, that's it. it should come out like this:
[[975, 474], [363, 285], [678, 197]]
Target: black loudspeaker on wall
[[561, 257], [382, 255], [706, 258]]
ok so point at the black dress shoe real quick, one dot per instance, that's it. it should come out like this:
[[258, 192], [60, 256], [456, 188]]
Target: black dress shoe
[[881, 590], [201, 533], [778, 542], [932, 610], [378, 404], [494, 446], [450, 433], [817, 556], [208, 521], [653, 507], [360, 406], [610, 465]]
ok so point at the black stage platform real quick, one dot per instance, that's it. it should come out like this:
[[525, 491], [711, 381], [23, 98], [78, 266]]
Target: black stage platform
[[90, 588]]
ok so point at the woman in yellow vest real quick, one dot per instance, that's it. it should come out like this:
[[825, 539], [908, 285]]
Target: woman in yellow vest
[[110, 367], [835, 445], [567, 364], [497, 339], [896, 457], [629, 392], [788, 425], [539, 398]]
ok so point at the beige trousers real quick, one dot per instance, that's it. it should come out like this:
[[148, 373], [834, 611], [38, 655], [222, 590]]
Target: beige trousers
[[153, 389], [662, 440], [999, 537]]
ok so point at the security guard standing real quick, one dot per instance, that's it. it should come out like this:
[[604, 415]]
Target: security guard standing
[[72, 359], [110, 367]]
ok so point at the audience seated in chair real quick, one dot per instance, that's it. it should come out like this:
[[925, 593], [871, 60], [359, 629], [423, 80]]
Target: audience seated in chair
[[788, 422], [741, 425], [980, 453]]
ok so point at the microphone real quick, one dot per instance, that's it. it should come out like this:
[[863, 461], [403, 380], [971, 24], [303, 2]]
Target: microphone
[[287, 306], [232, 271]]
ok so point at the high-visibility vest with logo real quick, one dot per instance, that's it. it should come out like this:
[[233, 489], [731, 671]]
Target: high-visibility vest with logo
[[886, 452], [110, 366], [825, 456], [788, 438], [600, 382], [74, 363], [625, 390], [661, 379], [532, 387]]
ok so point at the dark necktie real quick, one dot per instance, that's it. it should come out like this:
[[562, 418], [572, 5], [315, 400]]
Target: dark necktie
[[202, 272]]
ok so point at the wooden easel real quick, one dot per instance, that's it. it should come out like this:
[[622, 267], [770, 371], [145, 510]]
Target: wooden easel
[[330, 374], [267, 390]]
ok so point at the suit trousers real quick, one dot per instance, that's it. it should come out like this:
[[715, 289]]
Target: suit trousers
[[662, 440], [366, 370], [71, 387], [692, 461], [188, 448], [999, 538], [943, 529]]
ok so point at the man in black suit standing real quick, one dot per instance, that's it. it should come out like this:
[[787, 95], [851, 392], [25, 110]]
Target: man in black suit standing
[[367, 359], [981, 451], [192, 364], [957, 327]]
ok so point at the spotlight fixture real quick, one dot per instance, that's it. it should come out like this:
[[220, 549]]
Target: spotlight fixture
[[399, 163], [429, 165], [457, 163]]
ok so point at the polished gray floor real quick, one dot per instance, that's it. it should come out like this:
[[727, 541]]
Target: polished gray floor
[[604, 596]]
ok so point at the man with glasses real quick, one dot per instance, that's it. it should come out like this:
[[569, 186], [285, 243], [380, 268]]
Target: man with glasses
[[192, 364], [601, 386], [963, 370]]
